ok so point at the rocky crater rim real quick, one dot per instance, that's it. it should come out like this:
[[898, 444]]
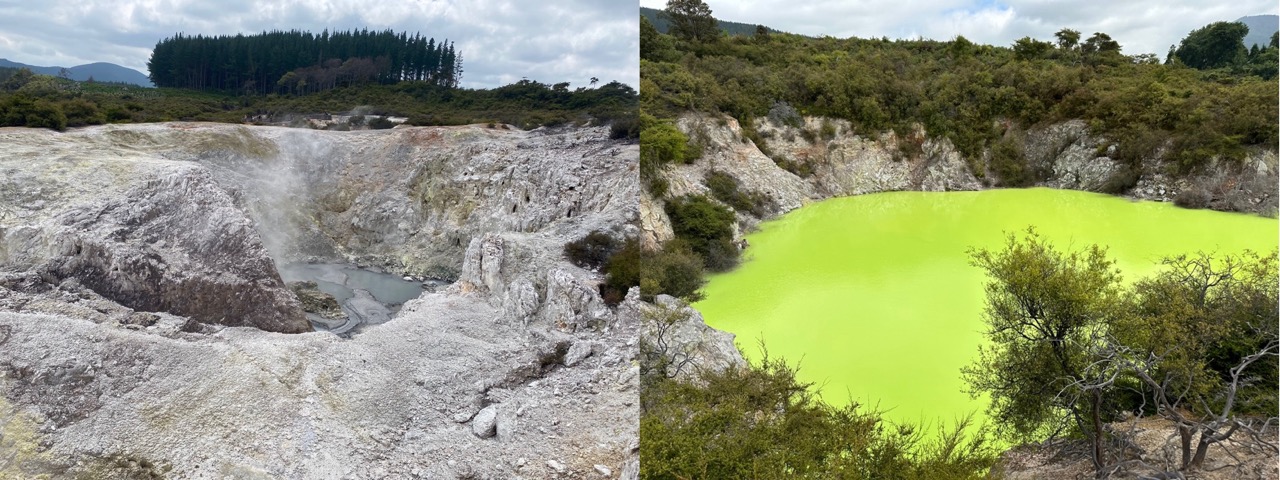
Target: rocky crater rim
[[515, 368], [407, 202]]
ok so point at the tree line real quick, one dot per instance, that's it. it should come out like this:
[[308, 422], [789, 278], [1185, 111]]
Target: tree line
[[302, 62], [1211, 99]]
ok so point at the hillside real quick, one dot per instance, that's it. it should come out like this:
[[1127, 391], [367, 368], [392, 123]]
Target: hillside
[[99, 71], [732, 28], [1261, 27]]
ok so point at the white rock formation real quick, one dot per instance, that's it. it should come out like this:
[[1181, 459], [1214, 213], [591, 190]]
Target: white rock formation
[[91, 385]]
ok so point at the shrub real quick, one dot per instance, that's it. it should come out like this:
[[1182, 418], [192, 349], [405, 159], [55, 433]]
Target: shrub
[[82, 112], [675, 270], [625, 127], [1010, 165], [591, 251], [663, 143], [762, 422], [725, 187], [380, 123], [708, 229], [45, 114]]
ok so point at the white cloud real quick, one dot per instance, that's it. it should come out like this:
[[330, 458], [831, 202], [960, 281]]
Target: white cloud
[[500, 40]]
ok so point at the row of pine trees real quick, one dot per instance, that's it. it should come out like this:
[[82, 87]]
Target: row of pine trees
[[302, 62]]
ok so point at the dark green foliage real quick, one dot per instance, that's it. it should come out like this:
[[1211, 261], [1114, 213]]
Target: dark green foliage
[[970, 94], [1194, 197], [591, 251], [1044, 309], [761, 422], [81, 112], [674, 270], [525, 104], [380, 123], [1027, 48], [708, 229], [301, 62], [1070, 346], [22, 111], [1216, 45], [625, 127], [654, 17], [1009, 164], [690, 20], [726, 189], [15, 79]]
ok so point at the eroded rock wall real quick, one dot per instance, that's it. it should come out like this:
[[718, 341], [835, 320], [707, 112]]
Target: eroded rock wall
[[517, 370], [149, 235], [844, 163]]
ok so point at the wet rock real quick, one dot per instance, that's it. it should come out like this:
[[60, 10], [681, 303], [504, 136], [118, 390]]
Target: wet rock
[[315, 301], [366, 309]]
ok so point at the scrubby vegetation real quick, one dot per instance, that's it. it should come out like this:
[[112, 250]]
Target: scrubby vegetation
[[1072, 349], [707, 227], [674, 270], [982, 98], [33, 100], [592, 251], [975, 95], [727, 189], [761, 422]]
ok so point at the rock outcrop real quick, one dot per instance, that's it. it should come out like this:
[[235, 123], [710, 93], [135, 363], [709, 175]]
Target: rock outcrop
[[150, 236], [100, 225], [844, 163]]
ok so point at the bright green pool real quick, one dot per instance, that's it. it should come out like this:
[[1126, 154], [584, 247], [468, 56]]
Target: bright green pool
[[874, 296]]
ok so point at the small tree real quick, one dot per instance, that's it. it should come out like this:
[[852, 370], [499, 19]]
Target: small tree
[[1068, 39], [1201, 337], [1218, 44], [1046, 314], [691, 20]]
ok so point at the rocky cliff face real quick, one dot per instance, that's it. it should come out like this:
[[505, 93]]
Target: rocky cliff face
[[127, 251], [149, 235], [844, 163]]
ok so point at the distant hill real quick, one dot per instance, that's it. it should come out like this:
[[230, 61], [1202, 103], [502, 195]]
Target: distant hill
[[733, 28], [100, 71], [1260, 29]]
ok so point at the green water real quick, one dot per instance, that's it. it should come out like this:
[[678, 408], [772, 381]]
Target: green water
[[875, 298]]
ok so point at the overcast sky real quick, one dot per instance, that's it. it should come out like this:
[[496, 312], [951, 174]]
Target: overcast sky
[[501, 41], [1139, 26]]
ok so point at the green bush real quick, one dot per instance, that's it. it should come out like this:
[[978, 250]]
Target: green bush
[[1010, 165], [725, 188], [627, 126], [675, 270], [761, 422], [380, 123], [662, 143], [708, 229]]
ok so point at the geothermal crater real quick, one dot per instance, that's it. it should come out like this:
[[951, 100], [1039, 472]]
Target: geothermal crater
[[148, 274]]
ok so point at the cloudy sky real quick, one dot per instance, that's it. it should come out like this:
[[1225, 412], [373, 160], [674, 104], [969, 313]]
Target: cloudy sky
[[1140, 26], [501, 41]]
